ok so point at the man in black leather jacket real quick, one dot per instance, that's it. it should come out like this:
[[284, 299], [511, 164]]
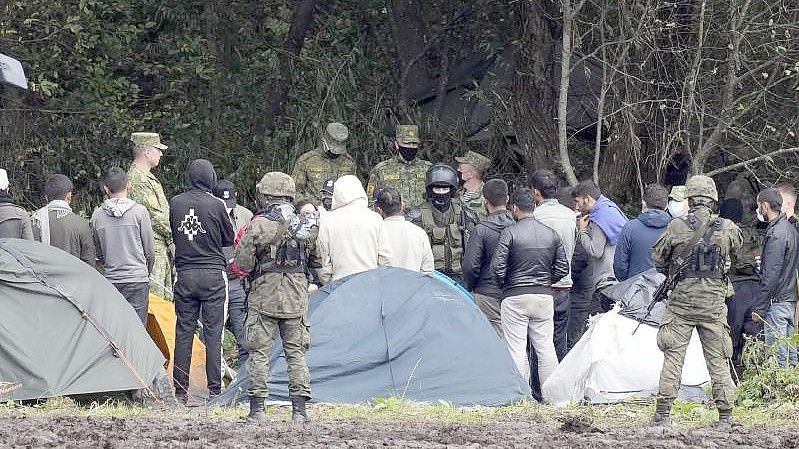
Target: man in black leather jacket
[[529, 258], [476, 265], [777, 300]]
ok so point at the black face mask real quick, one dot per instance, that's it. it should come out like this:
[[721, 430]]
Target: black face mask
[[327, 203], [441, 201], [407, 153]]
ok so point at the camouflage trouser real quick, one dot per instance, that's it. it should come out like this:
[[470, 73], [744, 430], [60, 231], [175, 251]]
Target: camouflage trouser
[[673, 338], [162, 271], [260, 337]]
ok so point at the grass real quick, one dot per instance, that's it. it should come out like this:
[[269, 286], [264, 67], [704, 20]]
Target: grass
[[394, 409]]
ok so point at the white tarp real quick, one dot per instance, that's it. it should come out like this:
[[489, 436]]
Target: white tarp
[[610, 364]]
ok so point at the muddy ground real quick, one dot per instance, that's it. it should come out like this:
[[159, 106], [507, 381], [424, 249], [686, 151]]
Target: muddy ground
[[148, 432]]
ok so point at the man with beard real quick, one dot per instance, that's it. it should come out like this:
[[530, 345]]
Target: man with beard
[[446, 222], [405, 171]]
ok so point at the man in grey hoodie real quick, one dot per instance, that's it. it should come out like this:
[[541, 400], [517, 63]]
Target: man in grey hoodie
[[123, 238]]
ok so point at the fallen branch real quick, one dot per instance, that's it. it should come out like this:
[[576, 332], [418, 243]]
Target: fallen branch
[[751, 161]]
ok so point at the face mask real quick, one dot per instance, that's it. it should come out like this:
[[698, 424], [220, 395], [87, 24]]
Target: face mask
[[327, 203], [760, 216], [407, 153], [676, 208], [441, 201]]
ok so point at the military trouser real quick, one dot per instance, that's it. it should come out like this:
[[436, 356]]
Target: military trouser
[[260, 335], [161, 276], [673, 337]]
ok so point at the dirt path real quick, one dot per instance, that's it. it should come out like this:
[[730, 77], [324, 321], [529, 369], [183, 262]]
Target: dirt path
[[212, 433]]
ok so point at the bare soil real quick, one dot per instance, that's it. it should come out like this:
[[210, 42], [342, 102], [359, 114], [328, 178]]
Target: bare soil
[[150, 432]]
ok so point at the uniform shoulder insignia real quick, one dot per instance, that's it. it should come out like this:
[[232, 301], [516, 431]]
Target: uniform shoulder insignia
[[381, 164], [305, 156]]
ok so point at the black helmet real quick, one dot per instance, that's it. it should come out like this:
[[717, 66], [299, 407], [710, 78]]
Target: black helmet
[[442, 175]]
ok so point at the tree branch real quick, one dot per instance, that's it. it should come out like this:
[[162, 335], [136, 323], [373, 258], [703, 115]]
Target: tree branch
[[751, 161]]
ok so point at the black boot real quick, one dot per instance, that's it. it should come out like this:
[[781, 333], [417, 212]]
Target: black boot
[[725, 418], [257, 412], [662, 412], [298, 415]]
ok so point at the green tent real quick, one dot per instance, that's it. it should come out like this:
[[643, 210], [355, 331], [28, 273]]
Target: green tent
[[65, 330]]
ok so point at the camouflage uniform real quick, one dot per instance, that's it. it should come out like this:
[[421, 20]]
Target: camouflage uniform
[[697, 301], [278, 302], [316, 166], [147, 191], [447, 230], [407, 177], [474, 200]]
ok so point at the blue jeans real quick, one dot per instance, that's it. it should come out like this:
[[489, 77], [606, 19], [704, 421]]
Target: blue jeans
[[237, 315], [779, 324]]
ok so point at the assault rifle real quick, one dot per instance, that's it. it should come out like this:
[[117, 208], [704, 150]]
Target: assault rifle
[[662, 292]]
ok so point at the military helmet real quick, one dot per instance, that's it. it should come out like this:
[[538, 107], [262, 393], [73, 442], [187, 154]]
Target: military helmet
[[701, 185], [442, 175], [276, 184]]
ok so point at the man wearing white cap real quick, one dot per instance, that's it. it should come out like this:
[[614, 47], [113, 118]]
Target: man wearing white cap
[[14, 221]]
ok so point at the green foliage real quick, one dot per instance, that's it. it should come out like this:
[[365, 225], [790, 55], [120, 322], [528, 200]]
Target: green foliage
[[764, 381]]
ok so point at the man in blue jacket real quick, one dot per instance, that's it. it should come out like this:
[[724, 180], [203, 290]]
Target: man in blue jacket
[[633, 251]]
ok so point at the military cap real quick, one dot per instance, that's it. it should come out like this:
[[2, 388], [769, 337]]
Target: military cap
[[327, 186], [335, 135], [677, 193], [475, 159], [407, 134], [276, 184], [226, 191], [701, 185], [147, 140]]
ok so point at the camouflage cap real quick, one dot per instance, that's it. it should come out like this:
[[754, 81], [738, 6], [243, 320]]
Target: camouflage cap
[[334, 136], [475, 159], [701, 185], [677, 193], [276, 184], [147, 140], [407, 134]]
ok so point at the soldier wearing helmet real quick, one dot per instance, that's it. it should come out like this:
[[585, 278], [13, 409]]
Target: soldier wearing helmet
[[445, 219], [405, 171], [329, 160], [697, 251], [275, 251]]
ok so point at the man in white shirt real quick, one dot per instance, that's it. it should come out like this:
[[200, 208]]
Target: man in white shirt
[[410, 247]]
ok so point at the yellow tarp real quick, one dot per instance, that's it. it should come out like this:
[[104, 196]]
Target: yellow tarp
[[161, 327]]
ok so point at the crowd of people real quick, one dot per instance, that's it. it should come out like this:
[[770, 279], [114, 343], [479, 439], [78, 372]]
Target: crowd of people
[[535, 257]]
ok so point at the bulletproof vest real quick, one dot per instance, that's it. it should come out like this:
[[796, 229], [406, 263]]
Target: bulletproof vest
[[287, 255], [707, 258], [451, 235]]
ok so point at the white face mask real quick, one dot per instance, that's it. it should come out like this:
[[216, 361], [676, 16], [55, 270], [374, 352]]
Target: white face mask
[[676, 208], [760, 216]]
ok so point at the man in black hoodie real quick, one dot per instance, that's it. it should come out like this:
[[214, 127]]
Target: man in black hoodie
[[480, 248], [201, 228]]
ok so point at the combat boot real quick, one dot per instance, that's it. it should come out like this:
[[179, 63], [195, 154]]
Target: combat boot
[[662, 412], [726, 420], [257, 412], [298, 415]]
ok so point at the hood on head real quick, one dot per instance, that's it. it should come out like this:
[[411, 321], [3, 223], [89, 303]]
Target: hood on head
[[655, 219], [201, 175], [348, 189], [116, 207]]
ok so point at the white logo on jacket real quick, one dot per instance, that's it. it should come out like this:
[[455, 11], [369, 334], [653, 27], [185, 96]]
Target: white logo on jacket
[[191, 225]]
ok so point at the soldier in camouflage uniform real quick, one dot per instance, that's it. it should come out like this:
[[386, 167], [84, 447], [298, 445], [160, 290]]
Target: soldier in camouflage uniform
[[147, 191], [329, 160], [275, 251], [698, 250], [472, 167], [446, 221], [405, 171]]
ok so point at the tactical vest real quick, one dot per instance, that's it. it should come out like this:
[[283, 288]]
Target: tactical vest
[[287, 255], [706, 260], [448, 241]]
